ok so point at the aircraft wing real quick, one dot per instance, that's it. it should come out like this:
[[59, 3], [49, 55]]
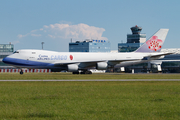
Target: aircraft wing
[[91, 64], [112, 63], [156, 56], [82, 64]]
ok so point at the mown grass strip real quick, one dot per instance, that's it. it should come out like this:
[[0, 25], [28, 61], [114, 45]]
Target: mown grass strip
[[70, 76]]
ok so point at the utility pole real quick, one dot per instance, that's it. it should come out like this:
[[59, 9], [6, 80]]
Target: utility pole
[[42, 44]]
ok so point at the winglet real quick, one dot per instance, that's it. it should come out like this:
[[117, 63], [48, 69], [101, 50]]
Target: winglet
[[155, 43]]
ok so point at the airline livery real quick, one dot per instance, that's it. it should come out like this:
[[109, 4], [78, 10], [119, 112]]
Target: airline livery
[[81, 61]]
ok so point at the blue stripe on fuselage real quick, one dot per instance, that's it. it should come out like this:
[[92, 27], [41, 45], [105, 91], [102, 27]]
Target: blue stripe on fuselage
[[21, 62]]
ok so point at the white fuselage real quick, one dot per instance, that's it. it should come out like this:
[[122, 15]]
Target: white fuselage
[[59, 60]]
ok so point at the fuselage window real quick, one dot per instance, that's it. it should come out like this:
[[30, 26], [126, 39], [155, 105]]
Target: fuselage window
[[33, 52], [15, 52]]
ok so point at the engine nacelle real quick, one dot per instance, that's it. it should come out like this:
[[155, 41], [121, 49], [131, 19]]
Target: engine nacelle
[[72, 68], [101, 65]]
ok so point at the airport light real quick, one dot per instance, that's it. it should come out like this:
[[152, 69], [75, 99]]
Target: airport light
[[42, 44]]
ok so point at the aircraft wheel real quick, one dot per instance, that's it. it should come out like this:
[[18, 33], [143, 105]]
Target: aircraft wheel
[[21, 72], [82, 72], [75, 72], [88, 72]]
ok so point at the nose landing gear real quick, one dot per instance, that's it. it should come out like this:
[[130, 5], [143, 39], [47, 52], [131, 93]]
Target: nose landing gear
[[21, 72]]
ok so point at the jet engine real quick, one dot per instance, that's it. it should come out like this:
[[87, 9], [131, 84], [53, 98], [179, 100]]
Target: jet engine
[[101, 66], [72, 68]]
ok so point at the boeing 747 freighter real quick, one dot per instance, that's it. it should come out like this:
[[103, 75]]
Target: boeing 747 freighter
[[77, 61]]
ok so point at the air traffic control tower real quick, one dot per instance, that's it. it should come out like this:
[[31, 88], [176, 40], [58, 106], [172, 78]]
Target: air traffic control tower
[[134, 40]]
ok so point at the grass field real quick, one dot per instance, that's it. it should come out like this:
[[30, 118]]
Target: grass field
[[90, 100], [70, 76]]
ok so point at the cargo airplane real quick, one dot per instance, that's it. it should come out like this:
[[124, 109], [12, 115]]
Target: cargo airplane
[[81, 62]]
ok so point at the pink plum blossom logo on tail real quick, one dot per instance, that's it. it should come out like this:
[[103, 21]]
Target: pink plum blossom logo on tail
[[154, 43]]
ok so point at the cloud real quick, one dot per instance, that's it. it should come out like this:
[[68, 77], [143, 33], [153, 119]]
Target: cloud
[[67, 31], [36, 35], [21, 36]]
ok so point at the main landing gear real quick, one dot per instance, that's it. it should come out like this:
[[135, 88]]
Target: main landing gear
[[21, 72], [83, 72], [86, 72]]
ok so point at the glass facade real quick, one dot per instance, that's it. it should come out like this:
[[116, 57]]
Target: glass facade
[[170, 64], [128, 47], [5, 50], [90, 46], [79, 47], [134, 40], [136, 29], [171, 61]]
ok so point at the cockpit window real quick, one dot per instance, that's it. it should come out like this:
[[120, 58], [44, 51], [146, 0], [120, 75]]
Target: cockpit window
[[15, 52]]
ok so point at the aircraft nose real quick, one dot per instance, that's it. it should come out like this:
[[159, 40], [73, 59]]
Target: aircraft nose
[[5, 60]]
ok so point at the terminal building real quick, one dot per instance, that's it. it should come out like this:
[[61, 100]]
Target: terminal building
[[5, 50], [168, 64], [134, 40], [90, 46]]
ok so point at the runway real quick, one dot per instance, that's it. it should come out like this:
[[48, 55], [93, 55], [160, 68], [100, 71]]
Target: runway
[[90, 80]]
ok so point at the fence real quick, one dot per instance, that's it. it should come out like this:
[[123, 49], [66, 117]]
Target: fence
[[25, 70]]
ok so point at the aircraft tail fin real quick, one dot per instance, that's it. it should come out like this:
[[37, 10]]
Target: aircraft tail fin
[[155, 43]]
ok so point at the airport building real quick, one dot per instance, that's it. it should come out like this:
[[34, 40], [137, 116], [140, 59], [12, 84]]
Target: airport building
[[90, 46], [134, 40], [170, 63], [5, 50]]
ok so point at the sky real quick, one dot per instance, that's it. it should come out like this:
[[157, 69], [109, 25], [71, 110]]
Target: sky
[[27, 23]]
